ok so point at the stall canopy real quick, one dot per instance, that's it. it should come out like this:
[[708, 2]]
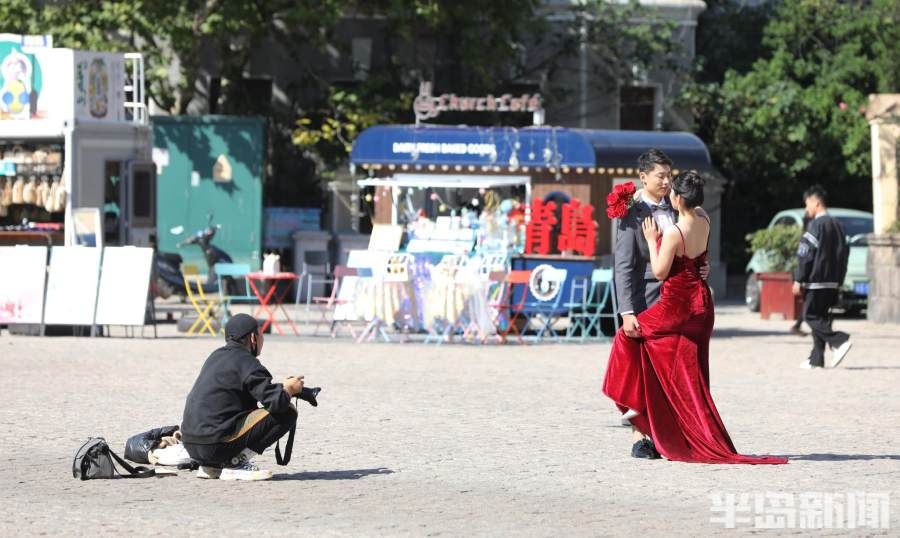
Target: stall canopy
[[463, 148]]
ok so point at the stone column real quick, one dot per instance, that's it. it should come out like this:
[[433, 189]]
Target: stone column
[[883, 263], [884, 119]]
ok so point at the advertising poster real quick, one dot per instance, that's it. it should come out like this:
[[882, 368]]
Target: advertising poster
[[22, 284]]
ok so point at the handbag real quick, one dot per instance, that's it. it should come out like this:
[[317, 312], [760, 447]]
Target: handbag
[[138, 447], [96, 460]]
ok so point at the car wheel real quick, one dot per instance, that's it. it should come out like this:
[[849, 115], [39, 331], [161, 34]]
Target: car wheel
[[751, 292]]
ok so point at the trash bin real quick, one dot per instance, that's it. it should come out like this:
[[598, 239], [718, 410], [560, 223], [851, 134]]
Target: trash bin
[[308, 240], [345, 242]]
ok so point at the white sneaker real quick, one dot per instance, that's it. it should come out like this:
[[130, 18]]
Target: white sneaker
[[245, 471], [806, 365], [628, 415], [208, 472], [242, 468], [838, 354]]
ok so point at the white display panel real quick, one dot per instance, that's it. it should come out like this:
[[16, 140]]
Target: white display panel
[[72, 285], [124, 285]]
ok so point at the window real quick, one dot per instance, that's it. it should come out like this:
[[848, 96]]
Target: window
[[786, 221], [362, 57], [637, 108]]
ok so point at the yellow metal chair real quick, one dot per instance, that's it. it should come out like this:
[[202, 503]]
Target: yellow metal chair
[[205, 306]]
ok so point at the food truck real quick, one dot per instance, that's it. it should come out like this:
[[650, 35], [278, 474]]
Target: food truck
[[75, 146]]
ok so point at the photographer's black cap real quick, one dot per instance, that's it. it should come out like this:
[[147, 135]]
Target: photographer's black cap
[[239, 326]]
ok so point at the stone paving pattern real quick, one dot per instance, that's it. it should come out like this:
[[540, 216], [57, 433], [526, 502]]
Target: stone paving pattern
[[452, 440]]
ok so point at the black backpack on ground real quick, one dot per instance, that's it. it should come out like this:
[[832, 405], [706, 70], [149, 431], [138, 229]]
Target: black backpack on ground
[[96, 460]]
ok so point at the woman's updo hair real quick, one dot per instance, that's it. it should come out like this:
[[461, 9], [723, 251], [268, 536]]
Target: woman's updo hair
[[689, 185]]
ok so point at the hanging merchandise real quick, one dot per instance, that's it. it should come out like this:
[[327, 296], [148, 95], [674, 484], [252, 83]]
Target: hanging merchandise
[[18, 186], [51, 196], [42, 191], [6, 193], [58, 198], [28, 191]]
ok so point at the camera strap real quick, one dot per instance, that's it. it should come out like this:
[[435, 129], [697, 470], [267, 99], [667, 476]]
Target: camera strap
[[288, 445]]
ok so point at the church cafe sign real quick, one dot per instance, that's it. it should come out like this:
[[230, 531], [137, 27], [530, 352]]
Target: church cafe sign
[[428, 106]]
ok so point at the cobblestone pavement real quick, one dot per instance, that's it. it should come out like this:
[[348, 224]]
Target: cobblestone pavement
[[449, 440]]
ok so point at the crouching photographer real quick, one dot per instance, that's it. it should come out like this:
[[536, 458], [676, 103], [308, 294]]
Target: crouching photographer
[[223, 427]]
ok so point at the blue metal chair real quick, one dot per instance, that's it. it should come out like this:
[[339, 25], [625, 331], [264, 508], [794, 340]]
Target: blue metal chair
[[233, 276], [545, 311]]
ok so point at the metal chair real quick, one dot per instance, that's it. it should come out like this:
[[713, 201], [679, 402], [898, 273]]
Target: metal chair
[[394, 288], [549, 281], [341, 294], [586, 316], [205, 306], [508, 313], [316, 269], [233, 275], [444, 304]]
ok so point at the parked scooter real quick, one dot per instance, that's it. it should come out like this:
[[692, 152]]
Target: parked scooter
[[169, 279]]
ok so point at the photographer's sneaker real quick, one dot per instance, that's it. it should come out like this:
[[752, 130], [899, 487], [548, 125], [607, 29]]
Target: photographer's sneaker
[[242, 468], [840, 352], [245, 471], [208, 472]]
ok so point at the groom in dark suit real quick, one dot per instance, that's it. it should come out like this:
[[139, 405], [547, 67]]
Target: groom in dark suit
[[636, 287]]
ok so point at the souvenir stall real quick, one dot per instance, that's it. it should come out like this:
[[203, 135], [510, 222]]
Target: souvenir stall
[[75, 147]]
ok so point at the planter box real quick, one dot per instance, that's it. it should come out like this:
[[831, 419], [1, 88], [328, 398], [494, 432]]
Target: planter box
[[776, 297]]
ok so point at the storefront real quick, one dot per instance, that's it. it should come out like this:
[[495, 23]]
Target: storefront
[[75, 146], [470, 182]]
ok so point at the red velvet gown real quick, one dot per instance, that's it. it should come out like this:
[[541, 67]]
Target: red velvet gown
[[665, 375]]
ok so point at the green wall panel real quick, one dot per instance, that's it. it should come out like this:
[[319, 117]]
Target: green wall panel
[[187, 191]]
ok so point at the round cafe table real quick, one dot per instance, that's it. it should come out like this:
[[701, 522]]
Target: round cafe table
[[273, 300]]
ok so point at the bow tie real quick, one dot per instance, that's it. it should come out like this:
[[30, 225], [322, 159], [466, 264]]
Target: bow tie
[[661, 206]]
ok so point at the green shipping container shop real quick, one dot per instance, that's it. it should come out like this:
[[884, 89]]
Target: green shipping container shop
[[210, 165]]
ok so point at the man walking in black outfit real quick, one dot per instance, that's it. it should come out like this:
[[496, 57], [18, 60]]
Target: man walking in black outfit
[[822, 256]]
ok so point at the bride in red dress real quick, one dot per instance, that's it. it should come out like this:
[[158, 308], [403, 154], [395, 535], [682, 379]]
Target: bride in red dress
[[664, 375]]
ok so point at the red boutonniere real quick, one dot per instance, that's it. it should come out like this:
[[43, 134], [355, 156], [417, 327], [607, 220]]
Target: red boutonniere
[[620, 200]]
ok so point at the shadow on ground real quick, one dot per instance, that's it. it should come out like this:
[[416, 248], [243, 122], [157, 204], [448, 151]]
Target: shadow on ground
[[843, 457], [351, 474], [745, 333]]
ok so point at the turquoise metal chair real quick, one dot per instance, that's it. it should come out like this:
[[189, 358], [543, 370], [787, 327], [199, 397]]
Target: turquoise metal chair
[[586, 315], [233, 277]]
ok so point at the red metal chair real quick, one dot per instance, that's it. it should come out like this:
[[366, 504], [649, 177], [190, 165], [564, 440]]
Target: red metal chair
[[509, 313]]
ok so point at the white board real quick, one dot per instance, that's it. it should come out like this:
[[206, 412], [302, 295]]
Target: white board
[[72, 285], [22, 273], [124, 284]]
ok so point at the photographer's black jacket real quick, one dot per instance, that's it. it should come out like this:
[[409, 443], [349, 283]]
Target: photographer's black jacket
[[230, 383], [822, 254]]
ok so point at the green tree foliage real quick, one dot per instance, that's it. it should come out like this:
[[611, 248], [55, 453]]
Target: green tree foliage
[[779, 243], [472, 47], [176, 36], [796, 117]]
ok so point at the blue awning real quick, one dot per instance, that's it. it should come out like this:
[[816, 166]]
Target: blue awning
[[510, 148]]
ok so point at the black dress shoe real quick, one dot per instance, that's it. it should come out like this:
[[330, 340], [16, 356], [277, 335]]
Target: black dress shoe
[[308, 394], [644, 449]]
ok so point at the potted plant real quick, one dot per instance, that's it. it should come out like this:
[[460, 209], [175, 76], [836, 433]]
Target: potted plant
[[777, 247]]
